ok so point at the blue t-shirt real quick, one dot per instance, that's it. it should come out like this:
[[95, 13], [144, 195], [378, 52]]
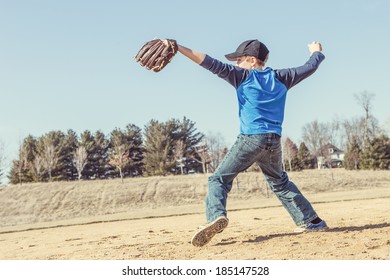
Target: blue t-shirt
[[262, 93]]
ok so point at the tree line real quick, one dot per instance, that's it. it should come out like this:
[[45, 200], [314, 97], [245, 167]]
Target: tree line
[[365, 143], [176, 147], [161, 148]]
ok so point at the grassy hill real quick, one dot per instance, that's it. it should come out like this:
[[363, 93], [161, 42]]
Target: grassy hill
[[58, 201]]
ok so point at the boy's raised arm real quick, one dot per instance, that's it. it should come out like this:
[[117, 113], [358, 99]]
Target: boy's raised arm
[[195, 56]]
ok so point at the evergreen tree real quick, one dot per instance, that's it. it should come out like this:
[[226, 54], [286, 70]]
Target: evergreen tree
[[353, 155], [99, 156], [376, 155], [158, 147], [69, 149], [162, 144], [87, 141], [186, 131], [17, 174], [26, 159], [22, 169], [135, 150], [186, 138], [40, 159], [305, 158]]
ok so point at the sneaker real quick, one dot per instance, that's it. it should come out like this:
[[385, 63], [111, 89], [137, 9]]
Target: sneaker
[[321, 226], [207, 232]]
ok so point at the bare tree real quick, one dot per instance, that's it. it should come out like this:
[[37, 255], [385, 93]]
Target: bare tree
[[50, 158], [335, 132], [202, 152], [21, 163], [290, 151], [364, 99], [179, 151], [211, 152], [120, 158], [80, 157], [354, 131], [38, 167], [216, 149], [315, 135]]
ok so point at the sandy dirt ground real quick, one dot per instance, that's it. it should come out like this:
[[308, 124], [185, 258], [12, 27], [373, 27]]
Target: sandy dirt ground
[[259, 229]]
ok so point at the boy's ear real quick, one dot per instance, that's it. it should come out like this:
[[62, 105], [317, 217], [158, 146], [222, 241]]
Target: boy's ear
[[253, 60]]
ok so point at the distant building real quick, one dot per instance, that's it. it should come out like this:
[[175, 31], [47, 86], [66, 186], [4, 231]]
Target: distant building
[[329, 156]]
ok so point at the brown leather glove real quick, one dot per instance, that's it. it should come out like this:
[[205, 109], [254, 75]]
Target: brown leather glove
[[156, 54]]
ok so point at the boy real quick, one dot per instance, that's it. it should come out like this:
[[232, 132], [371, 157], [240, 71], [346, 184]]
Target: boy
[[261, 94]]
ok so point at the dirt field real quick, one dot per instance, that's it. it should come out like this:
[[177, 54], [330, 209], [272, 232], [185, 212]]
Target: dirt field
[[355, 205]]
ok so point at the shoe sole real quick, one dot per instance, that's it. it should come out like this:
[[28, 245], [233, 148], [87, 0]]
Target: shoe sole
[[204, 236], [311, 230]]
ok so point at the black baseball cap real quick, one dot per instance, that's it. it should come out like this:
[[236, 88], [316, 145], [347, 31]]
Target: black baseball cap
[[251, 48]]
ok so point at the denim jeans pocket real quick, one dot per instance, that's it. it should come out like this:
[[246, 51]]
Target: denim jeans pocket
[[262, 141]]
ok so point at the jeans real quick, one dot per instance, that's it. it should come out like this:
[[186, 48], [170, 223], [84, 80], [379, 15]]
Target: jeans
[[265, 150]]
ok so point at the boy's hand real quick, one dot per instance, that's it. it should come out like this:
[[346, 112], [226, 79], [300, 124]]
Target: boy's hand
[[314, 47]]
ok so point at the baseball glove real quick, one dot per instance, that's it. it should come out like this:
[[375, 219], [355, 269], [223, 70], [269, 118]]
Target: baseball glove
[[156, 54]]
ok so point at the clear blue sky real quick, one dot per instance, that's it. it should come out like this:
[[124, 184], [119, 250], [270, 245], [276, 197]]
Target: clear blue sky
[[68, 64]]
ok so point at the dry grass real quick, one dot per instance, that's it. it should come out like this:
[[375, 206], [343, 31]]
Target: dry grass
[[155, 218], [45, 202]]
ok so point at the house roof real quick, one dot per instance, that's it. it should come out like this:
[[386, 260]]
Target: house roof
[[328, 147]]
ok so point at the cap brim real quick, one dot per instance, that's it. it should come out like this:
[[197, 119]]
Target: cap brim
[[233, 56]]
